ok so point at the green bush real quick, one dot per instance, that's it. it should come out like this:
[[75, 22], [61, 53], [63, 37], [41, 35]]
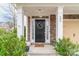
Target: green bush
[[2, 31], [65, 47], [11, 45]]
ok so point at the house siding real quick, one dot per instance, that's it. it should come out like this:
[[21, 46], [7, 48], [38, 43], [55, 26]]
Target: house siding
[[71, 29]]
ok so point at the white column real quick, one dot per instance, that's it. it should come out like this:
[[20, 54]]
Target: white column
[[20, 23], [59, 23], [26, 25]]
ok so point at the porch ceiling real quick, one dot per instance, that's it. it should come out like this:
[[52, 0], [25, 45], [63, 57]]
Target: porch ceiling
[[46, 9], [39, 11]]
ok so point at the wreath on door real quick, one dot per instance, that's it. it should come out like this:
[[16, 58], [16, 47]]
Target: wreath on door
[[39, 26]]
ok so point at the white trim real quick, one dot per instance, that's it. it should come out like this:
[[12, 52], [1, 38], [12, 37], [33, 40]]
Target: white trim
[[45, 30], [59, 23], [26, 25], [47, 26], [49, 30], [71, 20], [32, 27], [20, 22], [31, 31]]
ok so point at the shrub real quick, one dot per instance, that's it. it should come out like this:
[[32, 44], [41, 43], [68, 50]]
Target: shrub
[[11, 45], [66, 47], [2, 31]]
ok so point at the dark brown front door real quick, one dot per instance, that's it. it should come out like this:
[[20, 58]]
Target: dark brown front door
[[39, 30]]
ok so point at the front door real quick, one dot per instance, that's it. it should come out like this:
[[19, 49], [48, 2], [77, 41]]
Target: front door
[[39, 30]]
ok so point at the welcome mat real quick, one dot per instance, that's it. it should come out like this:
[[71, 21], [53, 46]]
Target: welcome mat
[[39, 45]]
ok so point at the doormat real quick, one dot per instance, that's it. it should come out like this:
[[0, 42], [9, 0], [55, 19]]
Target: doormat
[[39, 45]]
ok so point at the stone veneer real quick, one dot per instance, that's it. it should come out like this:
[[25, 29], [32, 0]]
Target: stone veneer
[[28, 28], [52, 28]]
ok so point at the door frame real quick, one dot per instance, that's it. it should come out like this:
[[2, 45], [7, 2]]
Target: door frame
[[47, 30]]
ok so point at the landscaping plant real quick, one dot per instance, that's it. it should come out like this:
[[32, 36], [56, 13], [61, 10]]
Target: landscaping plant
[[10, 44], [65, 47]]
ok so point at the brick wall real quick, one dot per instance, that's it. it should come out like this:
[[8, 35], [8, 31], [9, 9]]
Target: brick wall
[[28, 28], [52, 28]]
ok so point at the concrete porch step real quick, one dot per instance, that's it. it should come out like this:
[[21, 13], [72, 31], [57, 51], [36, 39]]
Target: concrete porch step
[[47, 50], [43, 54]]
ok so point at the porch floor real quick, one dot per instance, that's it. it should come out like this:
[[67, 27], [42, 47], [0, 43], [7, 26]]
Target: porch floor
[[47, 50]]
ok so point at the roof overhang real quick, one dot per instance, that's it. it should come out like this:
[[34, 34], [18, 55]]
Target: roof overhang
[[48, 8]]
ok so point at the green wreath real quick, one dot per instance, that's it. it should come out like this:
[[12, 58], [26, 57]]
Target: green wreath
[[40, 26]]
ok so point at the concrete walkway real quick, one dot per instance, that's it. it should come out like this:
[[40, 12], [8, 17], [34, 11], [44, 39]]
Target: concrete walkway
[[47, 50]]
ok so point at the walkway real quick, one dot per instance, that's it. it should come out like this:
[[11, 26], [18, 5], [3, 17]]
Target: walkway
[[47, 50]]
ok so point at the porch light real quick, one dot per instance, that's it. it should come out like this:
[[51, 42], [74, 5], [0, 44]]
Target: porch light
[[40, 11]]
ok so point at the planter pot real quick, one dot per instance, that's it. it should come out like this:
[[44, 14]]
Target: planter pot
[[28, 45]]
